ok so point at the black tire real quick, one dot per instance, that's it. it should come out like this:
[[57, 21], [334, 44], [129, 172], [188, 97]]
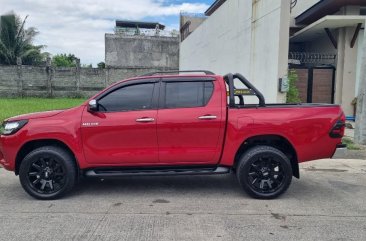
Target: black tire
[[48, 173], [264, 172]]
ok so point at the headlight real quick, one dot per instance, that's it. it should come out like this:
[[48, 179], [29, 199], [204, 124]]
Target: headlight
[[9, 128]]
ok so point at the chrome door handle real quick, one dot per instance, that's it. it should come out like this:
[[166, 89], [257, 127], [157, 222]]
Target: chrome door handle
[[207, 117], [145, 119]]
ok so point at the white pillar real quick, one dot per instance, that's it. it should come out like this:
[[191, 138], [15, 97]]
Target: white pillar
[[360, 131]]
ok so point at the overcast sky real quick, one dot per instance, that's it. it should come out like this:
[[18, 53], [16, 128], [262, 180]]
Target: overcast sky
[[78, 26]]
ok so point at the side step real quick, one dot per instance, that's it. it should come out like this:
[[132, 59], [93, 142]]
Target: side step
[[169, 171]]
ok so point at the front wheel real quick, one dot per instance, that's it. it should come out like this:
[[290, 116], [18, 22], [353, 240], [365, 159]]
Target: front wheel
[[264, 172], [48, 172]]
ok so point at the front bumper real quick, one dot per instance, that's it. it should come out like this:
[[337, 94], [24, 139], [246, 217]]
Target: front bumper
[[1, 159], [4, 161], [341, 150]]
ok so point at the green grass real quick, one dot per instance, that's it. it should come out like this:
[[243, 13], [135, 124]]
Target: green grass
[[350, 144], [11, 107]]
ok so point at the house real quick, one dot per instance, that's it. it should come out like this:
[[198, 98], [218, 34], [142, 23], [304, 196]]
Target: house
[[141, 45], [320, 39]]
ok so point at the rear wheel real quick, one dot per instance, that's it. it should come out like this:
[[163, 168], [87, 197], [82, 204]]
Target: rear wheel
[[264, 172], [48, 172]]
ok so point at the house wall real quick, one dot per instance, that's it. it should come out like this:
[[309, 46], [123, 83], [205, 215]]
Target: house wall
[[141, 51], [245, 36]]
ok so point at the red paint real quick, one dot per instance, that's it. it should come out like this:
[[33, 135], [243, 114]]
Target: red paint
[[119, 139], [176, 136]]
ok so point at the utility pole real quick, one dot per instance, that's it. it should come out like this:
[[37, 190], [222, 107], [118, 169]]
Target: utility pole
[[360, 131]]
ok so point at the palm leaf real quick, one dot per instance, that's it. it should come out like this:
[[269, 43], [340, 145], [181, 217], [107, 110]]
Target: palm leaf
[[16, 40]]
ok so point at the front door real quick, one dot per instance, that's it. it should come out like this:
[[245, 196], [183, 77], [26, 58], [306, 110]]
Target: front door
[[123, 130]]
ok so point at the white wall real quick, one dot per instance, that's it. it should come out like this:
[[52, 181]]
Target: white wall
[[245, 37]]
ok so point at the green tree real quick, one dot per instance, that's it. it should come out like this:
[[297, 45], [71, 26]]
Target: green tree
[[87, 66], [101, 65], [293, 92], [17, 42], [64, 60]]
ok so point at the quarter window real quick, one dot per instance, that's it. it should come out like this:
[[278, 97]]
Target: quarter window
[[187, 94], [132, 97]]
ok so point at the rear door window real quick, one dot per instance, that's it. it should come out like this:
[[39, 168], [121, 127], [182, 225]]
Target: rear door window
[[187, 94]]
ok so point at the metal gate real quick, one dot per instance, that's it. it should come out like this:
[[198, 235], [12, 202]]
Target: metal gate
[[316, 84]]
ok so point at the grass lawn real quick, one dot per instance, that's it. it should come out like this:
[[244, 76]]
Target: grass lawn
[[11, 107], [350, 144]]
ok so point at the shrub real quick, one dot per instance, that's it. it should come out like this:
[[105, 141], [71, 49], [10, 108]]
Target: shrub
[[293, 92]]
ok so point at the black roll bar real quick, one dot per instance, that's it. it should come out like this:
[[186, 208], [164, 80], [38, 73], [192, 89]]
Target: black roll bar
[[229, 78]]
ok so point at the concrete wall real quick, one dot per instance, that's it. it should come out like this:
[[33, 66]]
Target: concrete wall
[[245, 36], [16, 81], [141, 51]]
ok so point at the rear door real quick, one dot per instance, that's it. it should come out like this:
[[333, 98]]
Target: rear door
[[190, 121]]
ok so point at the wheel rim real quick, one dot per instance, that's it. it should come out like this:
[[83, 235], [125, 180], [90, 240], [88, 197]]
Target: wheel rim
[[266, 174], [46, 175]]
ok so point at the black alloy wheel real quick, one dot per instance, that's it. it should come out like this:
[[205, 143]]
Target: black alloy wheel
[[46, 175], [48, 172], [264, 172]]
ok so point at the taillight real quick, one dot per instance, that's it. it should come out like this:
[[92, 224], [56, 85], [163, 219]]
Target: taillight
[[338, 129]]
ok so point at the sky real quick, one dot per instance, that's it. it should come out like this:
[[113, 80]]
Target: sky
[[78, 26]]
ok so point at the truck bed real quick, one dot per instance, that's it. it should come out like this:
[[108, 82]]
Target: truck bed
[[305, 126], [283, 105]]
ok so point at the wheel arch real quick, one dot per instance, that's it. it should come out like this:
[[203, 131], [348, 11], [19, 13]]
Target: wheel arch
[[34, 144], [276, 141]]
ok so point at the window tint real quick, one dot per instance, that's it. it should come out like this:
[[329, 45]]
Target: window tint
[[132, 97], [187, 94]]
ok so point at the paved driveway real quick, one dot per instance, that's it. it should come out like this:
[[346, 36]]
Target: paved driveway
[[327, 203]]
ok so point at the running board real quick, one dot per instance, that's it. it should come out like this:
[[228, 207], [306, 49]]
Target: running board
[[114, 172]]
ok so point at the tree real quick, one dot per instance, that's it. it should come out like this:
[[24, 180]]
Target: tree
[[64, 60], [87, 66], [101, 65], [17, 42]]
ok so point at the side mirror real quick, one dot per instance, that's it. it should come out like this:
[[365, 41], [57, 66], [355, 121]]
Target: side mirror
[[93, 106]]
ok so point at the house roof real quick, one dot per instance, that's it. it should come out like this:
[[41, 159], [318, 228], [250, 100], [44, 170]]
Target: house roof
[[314, 30], [323, 8], [214, 7], [134, 24]]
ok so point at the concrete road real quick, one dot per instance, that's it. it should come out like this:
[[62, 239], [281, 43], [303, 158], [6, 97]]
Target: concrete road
[[327, 203]]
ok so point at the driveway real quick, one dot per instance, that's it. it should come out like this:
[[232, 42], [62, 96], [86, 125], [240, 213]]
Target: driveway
[[327, 203]]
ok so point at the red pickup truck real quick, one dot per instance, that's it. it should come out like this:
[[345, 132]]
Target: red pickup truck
[[171, 124]]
